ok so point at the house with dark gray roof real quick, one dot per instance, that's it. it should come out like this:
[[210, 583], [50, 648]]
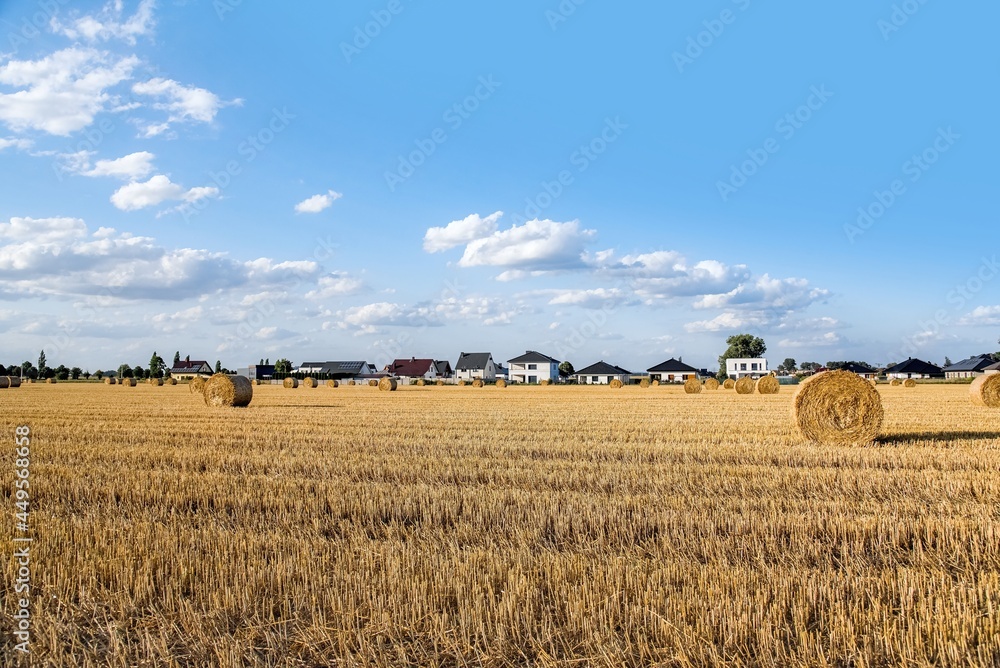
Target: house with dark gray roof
[[533, 367], [860, 369], [913, 368], [601, 373], [992, 369], [672, 371], [188, 368], [352, 369], [969, 368], [476, 365]]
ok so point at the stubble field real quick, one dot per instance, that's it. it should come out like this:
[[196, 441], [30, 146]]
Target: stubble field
[[524, 526]]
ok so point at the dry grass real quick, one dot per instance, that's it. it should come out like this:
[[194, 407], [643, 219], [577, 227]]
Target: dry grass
[[570, 526]]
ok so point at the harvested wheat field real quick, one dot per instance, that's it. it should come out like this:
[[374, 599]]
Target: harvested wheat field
[[439, 526]]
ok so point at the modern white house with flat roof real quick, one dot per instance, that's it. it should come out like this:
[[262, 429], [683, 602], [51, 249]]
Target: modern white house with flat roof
[[755, 367]]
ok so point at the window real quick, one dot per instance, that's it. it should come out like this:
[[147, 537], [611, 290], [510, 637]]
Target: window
[[532, 367], [753, 366], [532, 379], [594, 379], [743, 366]]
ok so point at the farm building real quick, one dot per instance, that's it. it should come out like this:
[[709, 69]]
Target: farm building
[[188, 368], [861, 370], [991, 369], [601, 373], [476, 365], [969, 368], [739, 367], [913, 368], [414, 369], [672, 371], [533, 367]]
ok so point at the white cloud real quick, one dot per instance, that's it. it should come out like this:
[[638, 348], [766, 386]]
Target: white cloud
[[597, 298], [318, 203], [537, 245], [109, 23], [459, 232], [981, 316], [155, 191], [819, 341], [63, 92], [487, 311], [129, 167], [14, 142], [336, 284], [767, 292], [663, 275], [184, 104], [369, 318], [724, 321]]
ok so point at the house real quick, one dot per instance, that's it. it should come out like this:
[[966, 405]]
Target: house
[[755, 367], [913, 368], [533, 367], [992, 369], [969, 368], [476, 365], [672, 371], [503, 372], [188, 368], [258, 372], [414, 369], [601, 373], [443, 368], [346, 370], [860, 369]]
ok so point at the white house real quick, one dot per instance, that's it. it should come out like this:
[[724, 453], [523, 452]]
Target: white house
[[601, 373], [913, 368], [188, 368], [533, 367], [755, 367], [476, 365], [672, 371]]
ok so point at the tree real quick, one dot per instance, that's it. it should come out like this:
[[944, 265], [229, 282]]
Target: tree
[[156, 365], [809, 366], [124, 371], [566, 369], [261, 363], [267, 362], [218, 366], [282, 366], [99, 375], [75, 373], [788, 365], [947, 361], [741, 346], [139, 373], [177, 359], [86, 374], [61, 372], [42, 368]]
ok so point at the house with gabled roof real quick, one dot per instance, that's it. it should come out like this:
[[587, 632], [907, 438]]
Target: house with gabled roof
[[189, 368], [600, 373], [913, 368], [414, 369], [992, 369], [533, 367], [476, 365], [861, 370], [346, 370], [970, 367], [672, 371]]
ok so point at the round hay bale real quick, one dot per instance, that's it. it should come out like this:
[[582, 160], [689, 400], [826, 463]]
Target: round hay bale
[[130, 382], [4, 382], [290, 383], [616, 384], [729, 384], [711, 384], [352, 382], [373, 383], [478, 382], [894, 382], [421, 382], [171, 381], [15, 381], [156, 382], [501, 383], [655, 383], [745, 385], [51, 381], [909, 382], [309, 382], [110, 381], [387, 384], [693, 386], [332, 384], [768, 385], [644, 383], [544, 382], [439, 383], [985, 391], [462, 383], [838, 408], [196, 384], [223, 390]]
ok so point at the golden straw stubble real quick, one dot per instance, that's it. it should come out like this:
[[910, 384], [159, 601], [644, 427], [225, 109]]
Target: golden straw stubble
[[223, 390], [838, 408], [985, 391], [693, 386], [745, 385]]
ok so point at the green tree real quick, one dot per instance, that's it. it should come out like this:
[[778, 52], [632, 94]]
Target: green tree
[[124, 371], [62, 373], [947, 361], [177, 359], [809, 366], [42, 368], [99, 375], [156, 366], [139, 373], [75, 373], [788, 365], [566, 369], [218, 366], [282, 366], [741, 346], [261, 363]]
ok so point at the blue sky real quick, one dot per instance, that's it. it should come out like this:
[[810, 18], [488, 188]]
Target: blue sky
[[591, 180]]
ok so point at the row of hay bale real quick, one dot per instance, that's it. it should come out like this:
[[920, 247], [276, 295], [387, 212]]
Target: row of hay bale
[[9, 382], [223, 390]]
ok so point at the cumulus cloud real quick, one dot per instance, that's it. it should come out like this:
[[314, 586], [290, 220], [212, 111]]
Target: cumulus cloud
[[538, 245], [818, 341], [14, 142], [460, 232], [336, 284], [981, 316], [157, 190], [109, 23], [62, 92], [129, 167], [183, 104], [368, 319], [774, 293], [724, 321], [318, 203], [595, 298]]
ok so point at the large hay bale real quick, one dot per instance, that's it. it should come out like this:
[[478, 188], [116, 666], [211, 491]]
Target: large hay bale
[[644, 383], [171, 381], [332, 384], [387, 384], [110, 381], [373, 383], [693, 386], [223, 390], [4, 382], [462, 383], [196, 384], [15, 381], [156, 382], [711, 384], [909, 382], [894, 382], [290, 383], [768, 385], [615, 384], [501, 383], [838, 408], [478, 382], [985, 391], [130, 382], [309, 382], [729, 384], [745, 385]]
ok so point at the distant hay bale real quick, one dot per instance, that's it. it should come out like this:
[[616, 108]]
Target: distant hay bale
[[729, 384], [693, 386], [51, 381], [171, 381], [110, 381], [373, 383], [130, 382], [421, 382], [4, 382], [544, 382], [615, 384], [156, 382], [985, 391], [655, 383], [838, 408], [223, 390], [909, 382], [439, 383], [478, 382], [196, 384], [387, 384], [332, 383], [462, 383], [711, 384], [768, 385], [352, 382], [894, 382], [501, 383], [290, 383], [644, 383], [309, 382], [745, 385]]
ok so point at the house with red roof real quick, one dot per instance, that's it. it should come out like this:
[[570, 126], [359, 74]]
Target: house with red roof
[[414, 369]]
